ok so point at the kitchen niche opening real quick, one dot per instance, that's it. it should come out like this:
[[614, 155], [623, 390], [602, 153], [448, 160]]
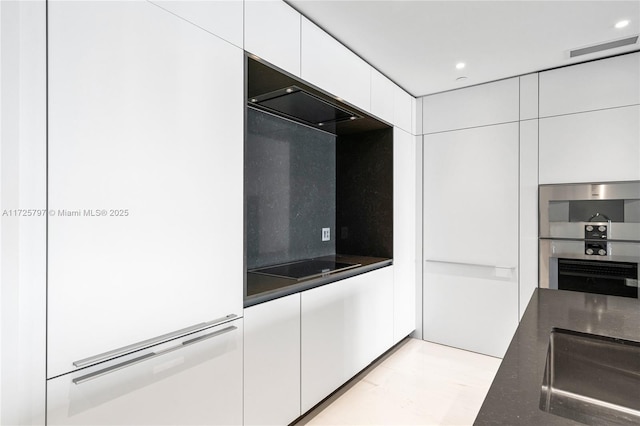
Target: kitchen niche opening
[[318, 186]]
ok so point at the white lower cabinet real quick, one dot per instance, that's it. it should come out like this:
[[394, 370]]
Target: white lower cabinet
[[345, 326], [193, 380], [272, 362]]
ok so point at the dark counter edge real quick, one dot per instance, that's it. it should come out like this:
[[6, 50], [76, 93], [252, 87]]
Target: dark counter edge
[[299, 287]]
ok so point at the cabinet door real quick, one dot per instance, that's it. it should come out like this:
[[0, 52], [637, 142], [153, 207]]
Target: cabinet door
[[596, 146], [332, 67], [145, 177], [470, 285], [272, 362], [345, 326], [471, 307], [606, 83], [195, 380], [404, 234], [382, 96], [405, 115], [471, 196], [272, 32], [222, 18], [490, 103]]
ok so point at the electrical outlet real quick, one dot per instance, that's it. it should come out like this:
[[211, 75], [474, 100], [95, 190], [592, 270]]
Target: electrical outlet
[[326, 234]]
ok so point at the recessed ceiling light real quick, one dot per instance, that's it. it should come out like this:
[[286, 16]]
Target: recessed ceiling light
[[460, 65], [622, 24]]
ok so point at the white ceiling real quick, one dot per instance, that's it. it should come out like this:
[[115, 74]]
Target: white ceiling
[[418, 43]]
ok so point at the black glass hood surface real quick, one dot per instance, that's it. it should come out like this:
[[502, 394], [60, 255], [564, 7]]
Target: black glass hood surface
[[286, 96], [302, 106]]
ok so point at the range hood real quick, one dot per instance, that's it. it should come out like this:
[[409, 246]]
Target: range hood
[[302, 106]]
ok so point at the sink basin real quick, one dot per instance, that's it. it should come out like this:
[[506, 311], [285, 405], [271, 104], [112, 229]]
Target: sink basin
[[592, 379]]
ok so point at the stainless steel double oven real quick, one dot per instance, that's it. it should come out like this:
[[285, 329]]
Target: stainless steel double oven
[[590, 237]]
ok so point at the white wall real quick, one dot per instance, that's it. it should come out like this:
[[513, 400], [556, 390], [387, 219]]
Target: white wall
[[22, 186]]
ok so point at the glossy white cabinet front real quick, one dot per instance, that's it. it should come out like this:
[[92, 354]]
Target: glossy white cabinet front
[[345, 326], [145, 177], [404, 234], [272, 362], [470, 286], [195, 380]]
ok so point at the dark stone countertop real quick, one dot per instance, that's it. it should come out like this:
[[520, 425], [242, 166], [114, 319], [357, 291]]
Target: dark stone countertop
[[262, 288], [514, 396]]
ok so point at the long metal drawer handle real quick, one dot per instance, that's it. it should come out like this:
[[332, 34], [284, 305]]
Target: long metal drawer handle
[[469, 264], [129, 363], [151, 342]]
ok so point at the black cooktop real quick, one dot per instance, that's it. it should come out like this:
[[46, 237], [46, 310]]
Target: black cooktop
[[305, 269]]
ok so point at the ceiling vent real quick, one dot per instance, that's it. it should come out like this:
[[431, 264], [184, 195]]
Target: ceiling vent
[[603, 46]]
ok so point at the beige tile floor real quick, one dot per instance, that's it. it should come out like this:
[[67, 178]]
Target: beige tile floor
[[418, 383]]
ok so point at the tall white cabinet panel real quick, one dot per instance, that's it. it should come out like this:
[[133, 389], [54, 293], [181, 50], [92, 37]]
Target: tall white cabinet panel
[[222, 18], [331, 66], [470, 307], [471, 196], [591, 147], [404, 234], [345, 326], [272, 362], [404, 110], [470, 284], [382, 96], [590, 86], [145, 177], [195, 380], [528, 232], [272, 32], [490, 103], [529, 96]]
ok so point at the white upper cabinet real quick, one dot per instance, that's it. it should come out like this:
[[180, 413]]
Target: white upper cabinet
[[471, 191], [590, 86], [382, 96], [404, 110], [222, 18], [490, 103], [404, 233], [332, 67], [272, 32], [145, 176], [596, 146], [529, 96]]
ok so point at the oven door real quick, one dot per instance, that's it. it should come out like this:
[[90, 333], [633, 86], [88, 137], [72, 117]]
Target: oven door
[[598, 276]]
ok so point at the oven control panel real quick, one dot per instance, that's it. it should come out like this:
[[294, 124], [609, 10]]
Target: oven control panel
[[593, 233]]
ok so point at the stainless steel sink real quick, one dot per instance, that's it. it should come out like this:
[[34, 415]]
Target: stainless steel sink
[[592, 379]]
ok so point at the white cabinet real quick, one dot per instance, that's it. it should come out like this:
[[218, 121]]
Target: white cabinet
[[404, 110], [272, 362], [194, 380], [490, 103], [528, 228], [145, 177], [473, 307], [332, 67], [272, 32], [345, 326], [222, 18], [470, 285], [606, 83], [595, 146], [471, 195], [529, 96], [382, 96], [404, 234]]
